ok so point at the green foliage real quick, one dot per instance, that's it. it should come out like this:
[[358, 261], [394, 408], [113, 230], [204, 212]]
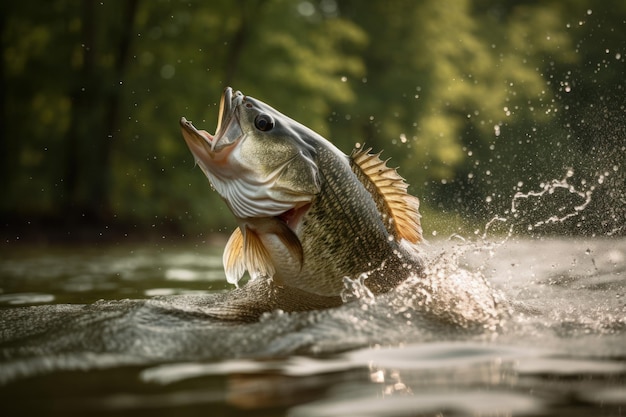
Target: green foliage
[[475, 100]]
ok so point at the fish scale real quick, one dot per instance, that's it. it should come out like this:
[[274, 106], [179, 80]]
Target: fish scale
[[309, 215], [348, 237]]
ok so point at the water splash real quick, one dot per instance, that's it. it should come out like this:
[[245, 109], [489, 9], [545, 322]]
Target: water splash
[[566, 210], [355, 289], [555, 203], [461, 295]]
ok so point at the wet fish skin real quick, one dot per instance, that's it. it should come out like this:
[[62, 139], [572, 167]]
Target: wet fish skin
[[308, 214], [350, 237]]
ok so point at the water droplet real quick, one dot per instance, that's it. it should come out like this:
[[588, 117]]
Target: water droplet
[[305, 8], [168, 71]]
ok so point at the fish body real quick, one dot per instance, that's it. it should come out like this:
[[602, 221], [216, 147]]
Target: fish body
[[308, 214]]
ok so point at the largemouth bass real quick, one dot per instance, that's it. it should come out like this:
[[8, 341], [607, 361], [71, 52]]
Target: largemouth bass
[[309, 215]]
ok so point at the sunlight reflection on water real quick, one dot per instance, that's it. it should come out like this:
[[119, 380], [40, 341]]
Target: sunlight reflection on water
[[562, 344]]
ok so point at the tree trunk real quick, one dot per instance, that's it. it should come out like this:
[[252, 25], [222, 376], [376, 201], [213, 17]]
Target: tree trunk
[[102, 188], [239, 39], [95, 119], [5, 168], [82, 98]]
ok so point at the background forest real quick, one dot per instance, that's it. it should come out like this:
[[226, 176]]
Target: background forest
[[507, 109]]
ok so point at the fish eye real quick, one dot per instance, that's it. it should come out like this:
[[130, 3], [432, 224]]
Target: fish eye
[[264, 122]]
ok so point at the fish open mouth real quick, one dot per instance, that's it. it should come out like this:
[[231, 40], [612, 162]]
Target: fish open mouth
[[203, 139], [226, 106], [191, 130]]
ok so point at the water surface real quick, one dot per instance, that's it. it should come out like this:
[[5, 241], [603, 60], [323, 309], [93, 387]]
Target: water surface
[[98, 329]]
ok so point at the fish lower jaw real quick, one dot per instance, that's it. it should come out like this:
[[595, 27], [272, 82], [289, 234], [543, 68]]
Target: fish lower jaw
[[190, 131]]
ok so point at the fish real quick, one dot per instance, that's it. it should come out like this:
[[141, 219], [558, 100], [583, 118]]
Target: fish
[[309, 216]]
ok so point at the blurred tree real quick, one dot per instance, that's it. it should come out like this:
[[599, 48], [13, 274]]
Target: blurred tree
[[100, 63], [290, 57], [36, 67], [467, 95], [63, 67], [4, 146], [104, 85], [592, 95], [475, 99], [445, 80]]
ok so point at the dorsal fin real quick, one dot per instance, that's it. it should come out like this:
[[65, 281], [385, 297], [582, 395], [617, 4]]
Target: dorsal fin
[[399, 209]]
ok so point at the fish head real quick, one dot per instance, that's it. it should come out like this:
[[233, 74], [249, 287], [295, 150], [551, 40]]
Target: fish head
[[260, 161]]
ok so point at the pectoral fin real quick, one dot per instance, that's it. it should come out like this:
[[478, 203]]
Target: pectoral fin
[[265, 248], [273, 250], [246, 251], [233, 258], [258, 260]]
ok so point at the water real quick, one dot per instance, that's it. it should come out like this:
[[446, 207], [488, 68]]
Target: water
[[95, 330]]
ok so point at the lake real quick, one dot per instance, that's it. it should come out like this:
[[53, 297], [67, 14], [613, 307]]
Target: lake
[[95, 330]]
